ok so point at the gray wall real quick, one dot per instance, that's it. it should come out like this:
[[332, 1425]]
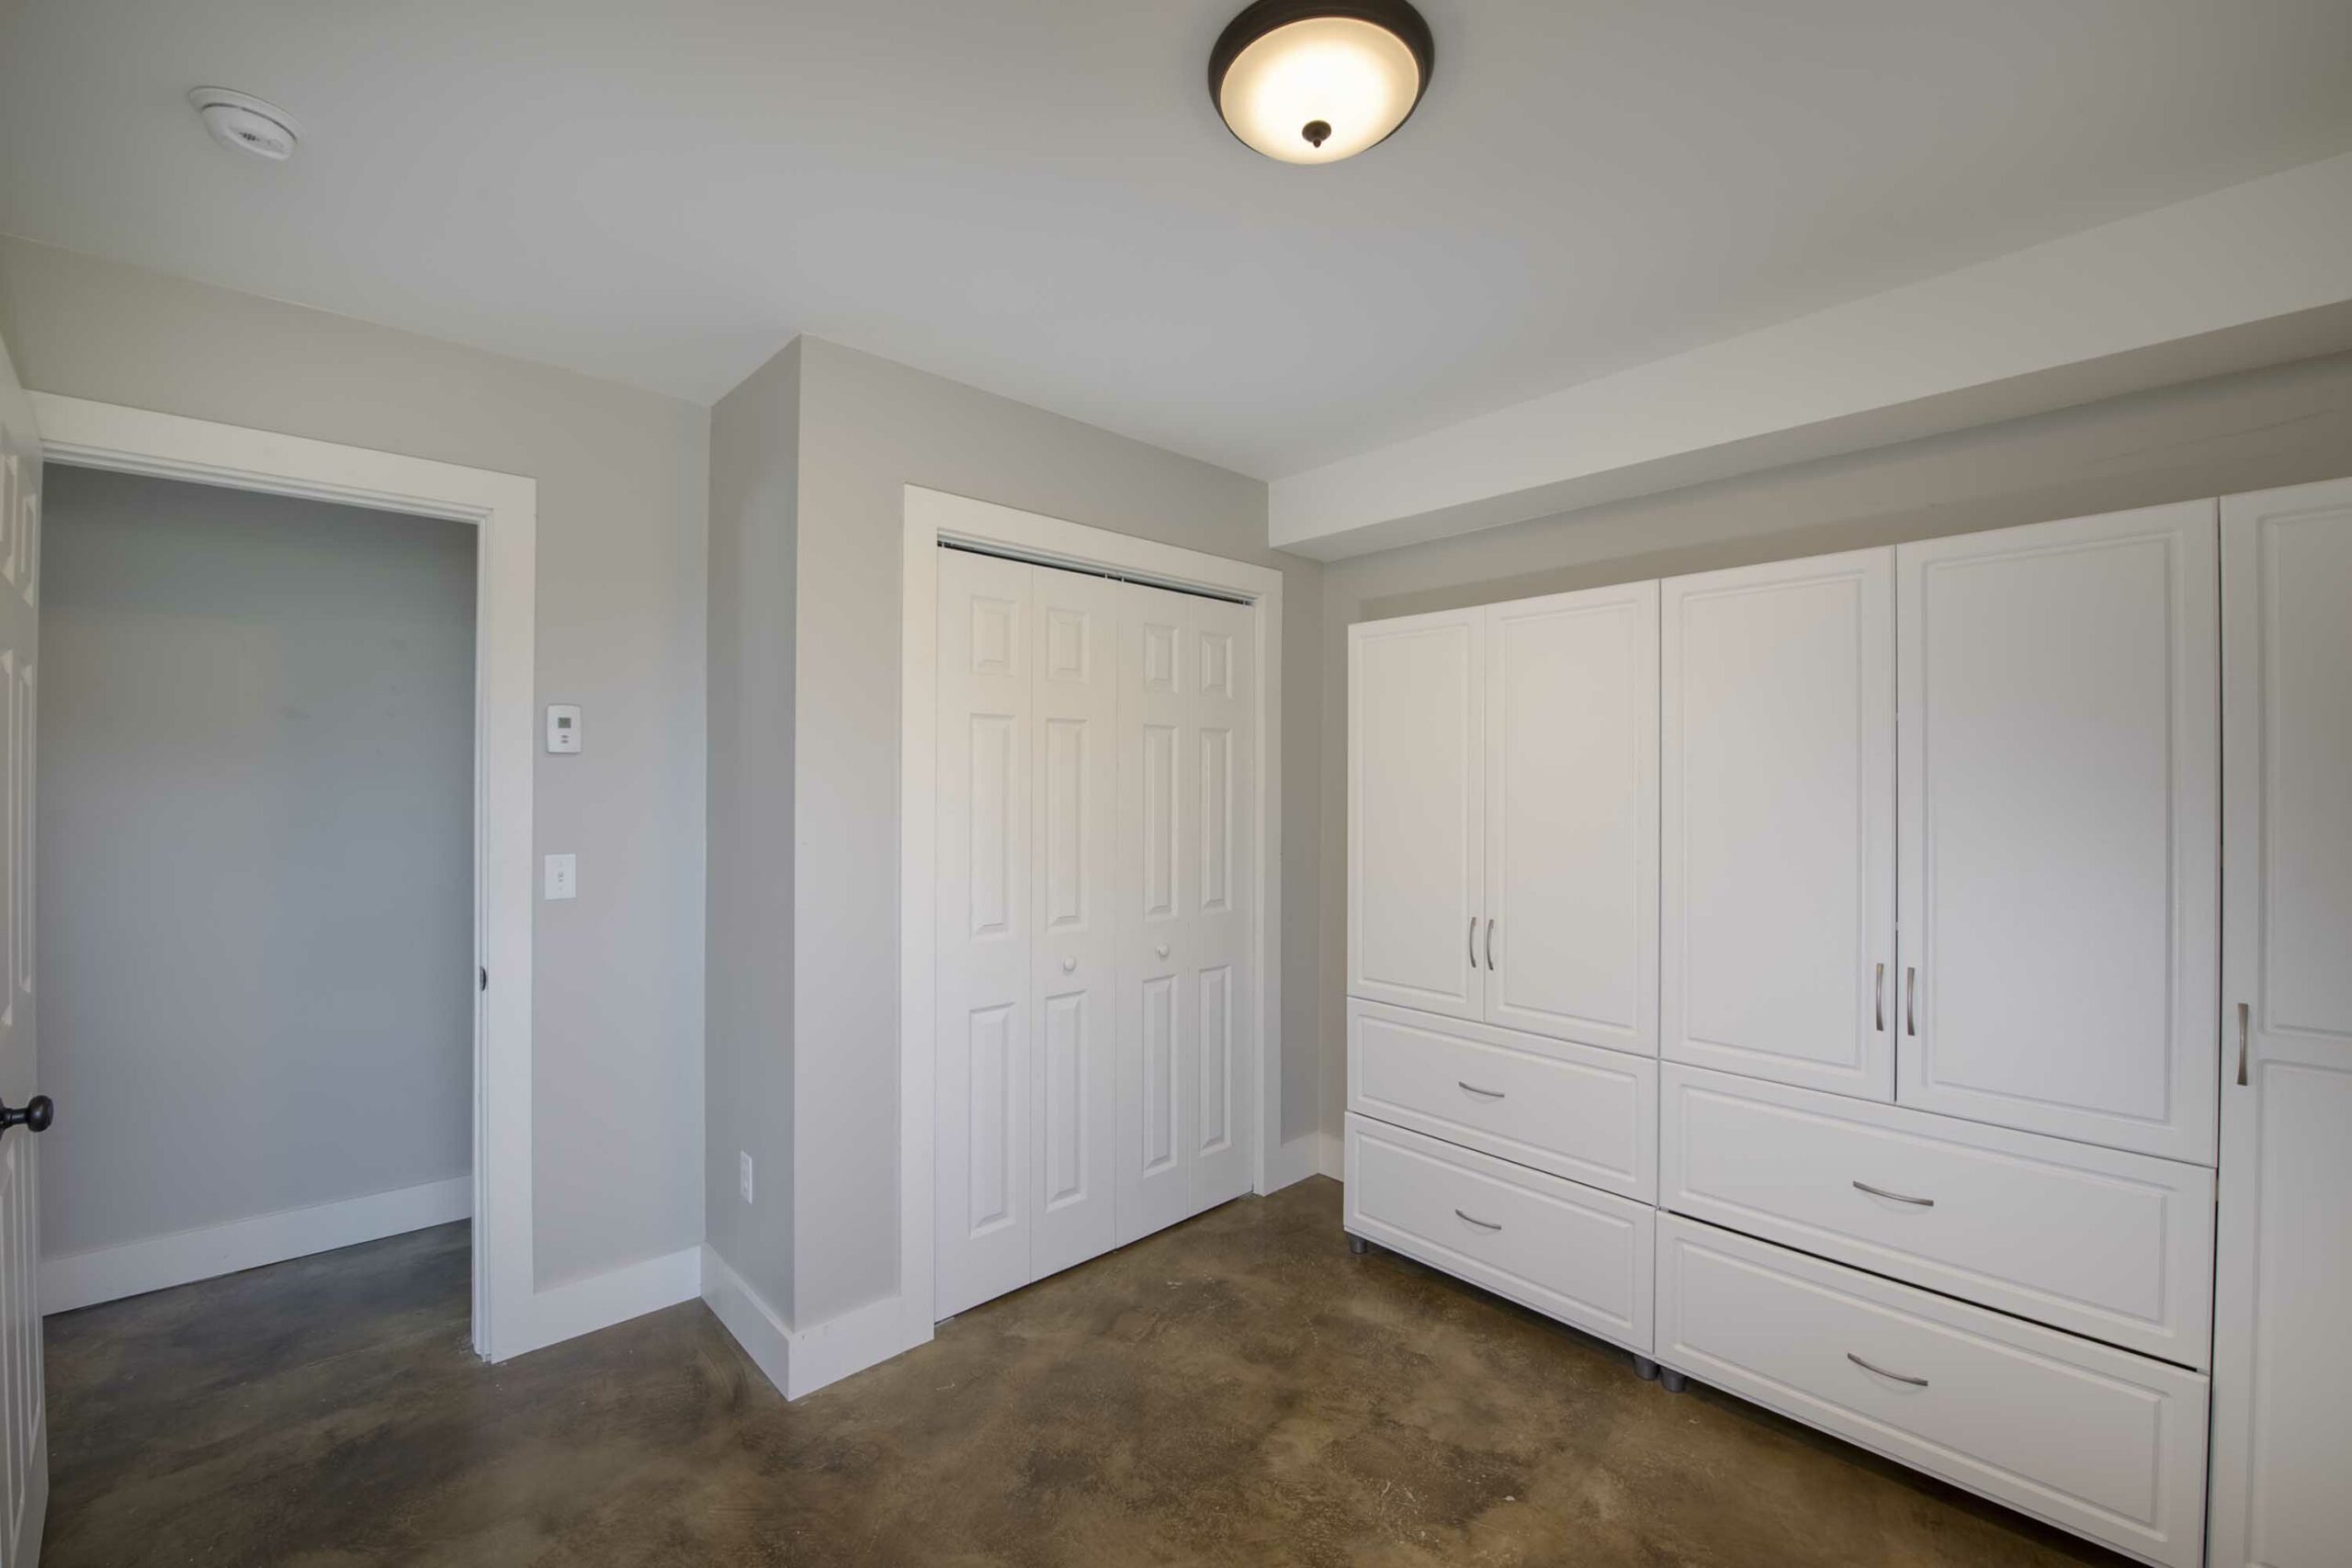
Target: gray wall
[[617, 1102], [256, 804], [2285, 425], [866, 429], [754, 509]]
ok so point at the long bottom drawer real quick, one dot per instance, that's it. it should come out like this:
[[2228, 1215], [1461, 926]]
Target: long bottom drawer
[[2099, 1441], [1569, 1251]]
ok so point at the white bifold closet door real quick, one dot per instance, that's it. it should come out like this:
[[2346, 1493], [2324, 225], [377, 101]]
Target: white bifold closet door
[[1187, 680], [1094, 989], [2282, 1370]]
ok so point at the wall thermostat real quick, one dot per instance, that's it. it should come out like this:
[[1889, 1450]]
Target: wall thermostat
[[564, 727]]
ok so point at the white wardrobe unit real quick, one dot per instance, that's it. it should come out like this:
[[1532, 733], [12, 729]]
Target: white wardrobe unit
[[1095, 996], [1502, 954], [2282, 1369]]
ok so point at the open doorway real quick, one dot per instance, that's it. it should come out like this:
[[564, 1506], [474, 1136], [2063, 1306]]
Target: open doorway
[[257, 758]]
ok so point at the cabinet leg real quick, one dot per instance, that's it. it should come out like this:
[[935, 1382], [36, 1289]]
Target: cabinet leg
[[1671, 1379], [1358, 1246], [1645, 1369]]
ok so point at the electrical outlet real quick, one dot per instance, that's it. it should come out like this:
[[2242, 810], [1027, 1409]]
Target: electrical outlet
[[743, 1174]]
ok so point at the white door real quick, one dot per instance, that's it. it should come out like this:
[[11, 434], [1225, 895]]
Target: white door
[[2282, 1370], [1186, 778], [24, 1424], [1778, 839], [1568, 934], [2059, 824], [1416, 812], [983, 1193], [1074, 988]]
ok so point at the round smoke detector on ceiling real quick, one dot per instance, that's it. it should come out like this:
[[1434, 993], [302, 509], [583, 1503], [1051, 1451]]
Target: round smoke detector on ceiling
[[244, 123]]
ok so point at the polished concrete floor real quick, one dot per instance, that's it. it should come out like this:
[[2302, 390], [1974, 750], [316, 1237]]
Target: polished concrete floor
[[1237, 1390]]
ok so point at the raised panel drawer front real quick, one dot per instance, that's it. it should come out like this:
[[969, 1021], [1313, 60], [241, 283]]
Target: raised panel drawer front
[[2114, 1246], [1569, 1252], [1574, 1111], [2096, 1441]]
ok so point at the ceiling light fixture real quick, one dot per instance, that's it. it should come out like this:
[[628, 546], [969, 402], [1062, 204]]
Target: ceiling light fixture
[[244, 123], [1315, 81]]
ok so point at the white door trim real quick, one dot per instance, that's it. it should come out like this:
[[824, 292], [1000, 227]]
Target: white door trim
[[507, 1316], [933, 517]]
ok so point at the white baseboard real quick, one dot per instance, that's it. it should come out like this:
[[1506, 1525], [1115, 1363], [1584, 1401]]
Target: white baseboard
[[799, 1362], [1333, 1152], [599, 1300], [135, 1268]]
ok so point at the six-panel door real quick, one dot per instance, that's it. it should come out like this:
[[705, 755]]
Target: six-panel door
[[2060, 827], [1568, 925], [2282, 1373], [1778, 853], [1416, 812]]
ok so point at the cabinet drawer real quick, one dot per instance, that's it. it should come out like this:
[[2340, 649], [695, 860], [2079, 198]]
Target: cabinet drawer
[[1567, 1251], [1574, 1111], [2096, 1441], [2118, 1246]]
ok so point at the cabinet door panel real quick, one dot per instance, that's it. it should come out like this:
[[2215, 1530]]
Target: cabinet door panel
[[1570, 938], [1778, 818], [2060, 827], [1416, 809], [2282, 1376]]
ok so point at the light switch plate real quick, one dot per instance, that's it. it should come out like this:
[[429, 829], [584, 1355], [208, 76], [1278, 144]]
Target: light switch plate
[[563, 876], [564, 727]]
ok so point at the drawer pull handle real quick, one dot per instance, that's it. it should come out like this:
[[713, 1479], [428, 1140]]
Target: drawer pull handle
[[1911, 1001], [2241, 1033], [1878, 999], [1897, 1197], [1474, 1089], [1881, 1371], [1474, 941], [1490, 943], [1473, 1219]]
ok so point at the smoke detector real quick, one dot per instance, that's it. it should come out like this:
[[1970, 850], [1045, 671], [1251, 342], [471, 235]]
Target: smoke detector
[[244, 123]]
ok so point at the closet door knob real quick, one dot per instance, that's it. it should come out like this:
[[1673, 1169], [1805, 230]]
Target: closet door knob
[[1161, 950], [1069, 966]]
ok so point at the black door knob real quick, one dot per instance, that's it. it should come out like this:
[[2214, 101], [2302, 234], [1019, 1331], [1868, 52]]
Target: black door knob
[[36, 1115]]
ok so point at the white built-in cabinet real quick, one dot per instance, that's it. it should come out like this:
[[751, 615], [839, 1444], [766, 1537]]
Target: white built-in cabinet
[[1095, 993], [1503, 816], [1907, 924], [2060, 827], [2282, 1366]]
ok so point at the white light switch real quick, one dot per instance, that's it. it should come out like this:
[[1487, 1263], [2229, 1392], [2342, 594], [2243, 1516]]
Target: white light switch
[[563, 876], [563, 728]]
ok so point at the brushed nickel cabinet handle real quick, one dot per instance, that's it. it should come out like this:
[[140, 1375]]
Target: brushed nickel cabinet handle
[[1491, 942], [1474, 1089], [1481, 1225], [1878, 999], [1474, 941], [1911, 1001], [1881, 1371], [2243, 1009], [1897, 1197]]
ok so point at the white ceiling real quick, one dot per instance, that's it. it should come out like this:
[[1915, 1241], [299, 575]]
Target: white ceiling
[[1034, 195]]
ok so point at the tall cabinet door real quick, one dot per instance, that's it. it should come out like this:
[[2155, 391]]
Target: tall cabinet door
[[2059, 815], [2282, 1369], [1416, 812], [1074, 952], [1568, 934], [981, 1083], [1777, 838]]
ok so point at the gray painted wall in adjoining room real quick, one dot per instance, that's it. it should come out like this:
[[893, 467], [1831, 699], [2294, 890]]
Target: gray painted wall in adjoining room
[[622, 503], [867, 428], [255, 811], [2288, 425]]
